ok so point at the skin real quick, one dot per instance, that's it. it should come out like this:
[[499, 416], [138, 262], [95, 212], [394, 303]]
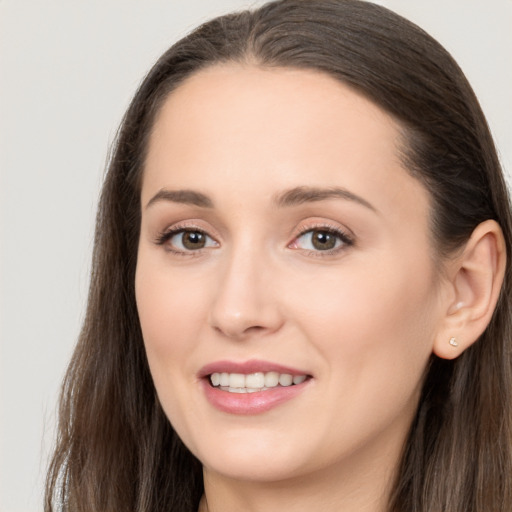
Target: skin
[[362, 320]]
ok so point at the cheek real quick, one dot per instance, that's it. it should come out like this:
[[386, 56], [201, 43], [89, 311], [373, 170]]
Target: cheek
[[376, 329], [167, 304], [375, 308], [374, 334], [169, 314]]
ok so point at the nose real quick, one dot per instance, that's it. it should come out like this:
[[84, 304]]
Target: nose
[[245, 303]]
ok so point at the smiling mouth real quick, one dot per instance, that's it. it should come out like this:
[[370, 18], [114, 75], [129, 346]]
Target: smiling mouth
[[253, 382]]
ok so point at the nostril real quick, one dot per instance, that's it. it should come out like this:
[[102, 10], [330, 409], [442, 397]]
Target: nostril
[[237, 331], [255, 328]]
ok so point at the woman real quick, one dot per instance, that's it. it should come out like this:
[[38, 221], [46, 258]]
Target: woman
[[300, 289]]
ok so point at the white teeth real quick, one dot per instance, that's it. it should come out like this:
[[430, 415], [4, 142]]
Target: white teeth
[[271, 379], [298, 379], [285, 379], [236, 380], [253, 382]]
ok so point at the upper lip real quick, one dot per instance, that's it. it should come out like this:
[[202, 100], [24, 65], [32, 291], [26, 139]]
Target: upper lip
[[246, 367]]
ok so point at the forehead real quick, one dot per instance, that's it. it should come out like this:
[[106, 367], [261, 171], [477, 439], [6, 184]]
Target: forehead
[[277, 106], [246, 130]]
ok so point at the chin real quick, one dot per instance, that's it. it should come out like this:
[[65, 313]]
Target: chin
[[257, 457], [255, 468]]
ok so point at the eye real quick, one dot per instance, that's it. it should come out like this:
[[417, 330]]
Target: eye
[[181, 240], [321, 239]]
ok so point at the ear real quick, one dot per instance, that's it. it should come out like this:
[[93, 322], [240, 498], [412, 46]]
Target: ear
[[474, 280]]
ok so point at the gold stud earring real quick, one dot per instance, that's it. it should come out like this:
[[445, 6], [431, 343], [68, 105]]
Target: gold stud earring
[[453, 342]]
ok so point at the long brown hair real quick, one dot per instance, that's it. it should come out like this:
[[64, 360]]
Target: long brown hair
[[116, 450]]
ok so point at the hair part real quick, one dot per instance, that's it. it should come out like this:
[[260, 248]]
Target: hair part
[[116, 450]]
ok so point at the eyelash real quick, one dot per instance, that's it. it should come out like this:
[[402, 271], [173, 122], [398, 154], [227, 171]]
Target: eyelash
[[345, 239], [168, 234]]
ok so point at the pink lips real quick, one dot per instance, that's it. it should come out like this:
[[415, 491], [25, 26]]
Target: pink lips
[[251, 366], [249, 403]]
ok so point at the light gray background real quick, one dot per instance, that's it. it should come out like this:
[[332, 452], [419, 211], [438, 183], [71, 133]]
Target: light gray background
[[67, 71]]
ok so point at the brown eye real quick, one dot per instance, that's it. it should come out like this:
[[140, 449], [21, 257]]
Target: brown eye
[[193, 240], [323, 240], [186, 240]]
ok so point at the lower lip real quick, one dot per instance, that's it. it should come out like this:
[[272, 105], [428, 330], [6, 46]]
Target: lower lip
[[251, 403]]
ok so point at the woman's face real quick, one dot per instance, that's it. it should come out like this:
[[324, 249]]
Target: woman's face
[[284, 249]]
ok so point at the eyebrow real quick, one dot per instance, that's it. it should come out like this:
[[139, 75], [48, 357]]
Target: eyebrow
[[293, 197], [301, 195], [190, 197]]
